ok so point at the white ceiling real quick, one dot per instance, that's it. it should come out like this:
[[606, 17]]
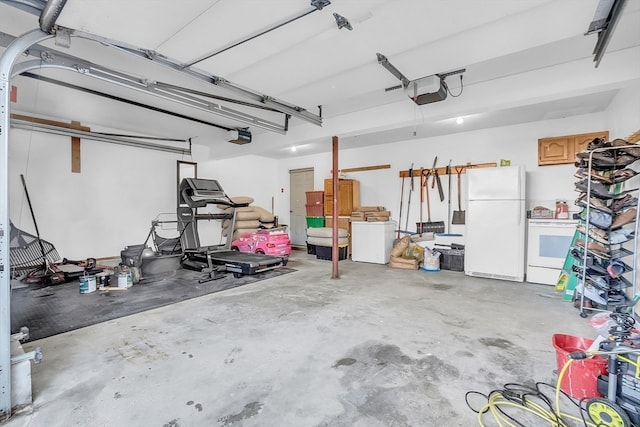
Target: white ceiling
[[525, 60]]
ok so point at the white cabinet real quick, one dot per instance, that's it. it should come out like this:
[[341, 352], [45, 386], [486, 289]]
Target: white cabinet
[[372, 241]]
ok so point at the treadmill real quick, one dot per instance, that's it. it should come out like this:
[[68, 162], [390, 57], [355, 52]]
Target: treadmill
[[216, 259]]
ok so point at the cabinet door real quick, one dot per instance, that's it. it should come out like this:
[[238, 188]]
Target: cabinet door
[[561, 150], [328, 197], [345, 198], [555, 151], [348, 196]]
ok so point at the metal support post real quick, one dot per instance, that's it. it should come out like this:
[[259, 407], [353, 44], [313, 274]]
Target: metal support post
[[7, 60]]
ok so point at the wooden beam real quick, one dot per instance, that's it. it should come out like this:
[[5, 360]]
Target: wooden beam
[[71, 125], [443, 170], [365, 168], [75, 151], [75, 140]]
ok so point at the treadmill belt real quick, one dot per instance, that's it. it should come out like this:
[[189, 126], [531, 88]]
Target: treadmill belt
[[52, 310]]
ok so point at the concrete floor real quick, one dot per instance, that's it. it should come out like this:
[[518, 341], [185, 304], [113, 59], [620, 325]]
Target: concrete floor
[[377, 347]]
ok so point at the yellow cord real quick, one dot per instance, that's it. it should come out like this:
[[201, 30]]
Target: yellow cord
[[555, 419], [560, 377]]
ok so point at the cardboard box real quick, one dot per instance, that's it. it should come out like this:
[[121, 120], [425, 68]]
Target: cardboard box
[[404, 263]]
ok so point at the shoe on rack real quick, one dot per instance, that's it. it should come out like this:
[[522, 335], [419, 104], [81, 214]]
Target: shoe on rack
[[593, 267], [624, 218], [620, 235], [622, 175], [604, 156], [597, 143], [601, 162], [591, 293], [598, 218], [603, 256], [599, 283], [596, 189], [624, 160], [585, 172], [594, 202], [595, 233], [625, 202], [616, 268], [592, 246], [632, 151]]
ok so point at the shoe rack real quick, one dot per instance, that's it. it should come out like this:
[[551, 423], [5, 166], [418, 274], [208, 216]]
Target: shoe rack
[[607, 237]]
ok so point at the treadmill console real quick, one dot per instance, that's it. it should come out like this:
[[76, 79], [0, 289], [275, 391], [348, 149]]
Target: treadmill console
[[198, 193]]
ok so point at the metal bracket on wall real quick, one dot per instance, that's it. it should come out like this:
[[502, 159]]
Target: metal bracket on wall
[[443, 170]]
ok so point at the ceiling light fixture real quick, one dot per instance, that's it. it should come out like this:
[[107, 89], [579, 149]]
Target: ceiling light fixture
[[293, 148], [460, 120]]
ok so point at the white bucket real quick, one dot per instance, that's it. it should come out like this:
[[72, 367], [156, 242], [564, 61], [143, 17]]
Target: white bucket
[[123, 280], [87, 284]]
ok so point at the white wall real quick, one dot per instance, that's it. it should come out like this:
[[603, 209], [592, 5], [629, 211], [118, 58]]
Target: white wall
[[623, 115], [97, 212], [519, 144], [252, 176]]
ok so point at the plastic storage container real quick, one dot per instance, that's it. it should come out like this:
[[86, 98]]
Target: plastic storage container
[[315, 210], [451, 259], [325, 252], [315, 221], [315, 197], [581, 378], [311, 249]]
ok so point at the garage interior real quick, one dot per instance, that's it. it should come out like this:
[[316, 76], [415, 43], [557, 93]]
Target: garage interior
[[108, 106]]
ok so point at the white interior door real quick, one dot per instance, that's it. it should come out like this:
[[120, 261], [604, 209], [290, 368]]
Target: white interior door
[[300, 181]]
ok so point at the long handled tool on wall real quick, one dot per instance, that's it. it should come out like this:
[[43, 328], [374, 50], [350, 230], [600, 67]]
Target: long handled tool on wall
[[458, 216], [436, 179], [400, 214], [420, 230], [406, 226], [448, 171], [430, 226]]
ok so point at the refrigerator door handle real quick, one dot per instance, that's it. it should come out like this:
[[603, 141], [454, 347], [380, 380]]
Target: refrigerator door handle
[[522, 213]]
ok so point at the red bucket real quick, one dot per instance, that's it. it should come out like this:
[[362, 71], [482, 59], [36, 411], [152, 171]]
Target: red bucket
[[581, 378]]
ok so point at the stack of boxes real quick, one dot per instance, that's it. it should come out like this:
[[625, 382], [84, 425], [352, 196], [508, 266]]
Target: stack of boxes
[[319, 237], [315, 208], [370, 214]]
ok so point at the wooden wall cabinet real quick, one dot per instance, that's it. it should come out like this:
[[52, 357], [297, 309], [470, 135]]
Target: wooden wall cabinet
[[348, 196], [562, 150]]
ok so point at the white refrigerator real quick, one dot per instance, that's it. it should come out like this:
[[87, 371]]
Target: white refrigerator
[[495, 223]]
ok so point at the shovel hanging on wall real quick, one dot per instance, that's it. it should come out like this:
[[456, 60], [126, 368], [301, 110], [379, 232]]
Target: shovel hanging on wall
[[436, 179], [458, 216], [429, 226]]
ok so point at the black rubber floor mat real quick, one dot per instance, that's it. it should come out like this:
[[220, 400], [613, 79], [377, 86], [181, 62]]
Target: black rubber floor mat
[[52, 310]]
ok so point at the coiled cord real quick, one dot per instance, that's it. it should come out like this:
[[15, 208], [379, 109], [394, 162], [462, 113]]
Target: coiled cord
[[504, 404]]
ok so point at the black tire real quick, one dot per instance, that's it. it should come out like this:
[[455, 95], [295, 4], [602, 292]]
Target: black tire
[[235, 248], [237, 275], [260, 251]]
